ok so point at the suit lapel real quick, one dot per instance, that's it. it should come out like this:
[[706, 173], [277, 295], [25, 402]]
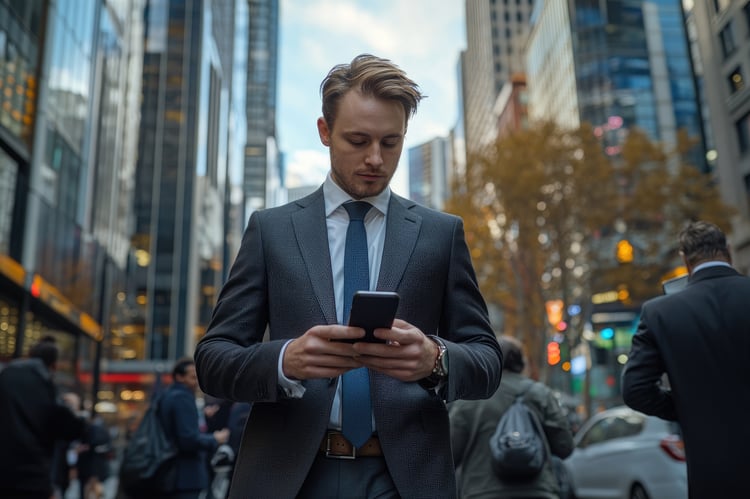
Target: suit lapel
[[312, 237], [402, 230]]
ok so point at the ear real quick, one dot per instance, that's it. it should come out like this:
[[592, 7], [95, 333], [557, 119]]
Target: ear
[[324, 132]]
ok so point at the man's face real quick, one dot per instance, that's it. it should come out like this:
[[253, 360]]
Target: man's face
[[365, 143], [189, 379]]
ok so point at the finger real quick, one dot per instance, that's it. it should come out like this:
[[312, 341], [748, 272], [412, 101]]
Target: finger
[[339, 332]]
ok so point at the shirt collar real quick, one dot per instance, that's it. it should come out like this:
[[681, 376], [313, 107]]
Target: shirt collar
[[715, 263], [335, 196]]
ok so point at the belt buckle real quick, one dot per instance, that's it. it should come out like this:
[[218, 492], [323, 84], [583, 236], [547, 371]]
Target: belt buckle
[[336, 456]]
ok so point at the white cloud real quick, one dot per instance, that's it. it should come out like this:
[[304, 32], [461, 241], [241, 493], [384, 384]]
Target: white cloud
[[307, 167]]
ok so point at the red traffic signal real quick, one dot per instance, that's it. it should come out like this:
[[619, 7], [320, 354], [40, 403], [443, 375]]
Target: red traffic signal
[[553, 353]]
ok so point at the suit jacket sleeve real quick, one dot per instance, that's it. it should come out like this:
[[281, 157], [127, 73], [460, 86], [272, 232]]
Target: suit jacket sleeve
[[239, 365], [182, 415], [641, 378], [474, 356]]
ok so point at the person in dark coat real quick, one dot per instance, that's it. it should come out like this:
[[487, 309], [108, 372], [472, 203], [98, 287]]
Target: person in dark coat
[[474, 421], [32, 420], [94, 459], [178, 414], [699, 337]]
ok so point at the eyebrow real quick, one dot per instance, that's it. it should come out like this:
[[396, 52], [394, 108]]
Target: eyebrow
[[367, 135]]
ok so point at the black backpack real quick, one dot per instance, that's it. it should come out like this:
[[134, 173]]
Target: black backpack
[[518, 447], [148, 463]]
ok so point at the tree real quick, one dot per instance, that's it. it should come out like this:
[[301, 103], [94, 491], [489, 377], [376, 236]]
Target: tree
[[545, 207]]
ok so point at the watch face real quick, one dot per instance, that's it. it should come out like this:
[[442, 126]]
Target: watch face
[[441, 367], [444, 362]]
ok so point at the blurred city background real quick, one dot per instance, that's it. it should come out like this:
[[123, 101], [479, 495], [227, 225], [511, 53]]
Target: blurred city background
[[137, 136]]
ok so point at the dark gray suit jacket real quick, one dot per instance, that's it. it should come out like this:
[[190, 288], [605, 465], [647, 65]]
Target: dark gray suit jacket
[[700, 337], [282, 280]]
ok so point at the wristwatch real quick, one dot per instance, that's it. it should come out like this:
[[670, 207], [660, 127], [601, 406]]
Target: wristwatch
[[440, 370]]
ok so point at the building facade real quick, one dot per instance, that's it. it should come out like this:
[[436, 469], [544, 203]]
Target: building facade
[[428, 167], [262, 175], [68, 121], [723, 39], [496, 32]]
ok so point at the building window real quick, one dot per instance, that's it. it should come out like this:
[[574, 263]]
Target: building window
[[736, 81], [743, 133], [728, 44]]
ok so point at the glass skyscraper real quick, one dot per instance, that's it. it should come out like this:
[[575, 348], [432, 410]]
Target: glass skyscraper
[[633, 68]]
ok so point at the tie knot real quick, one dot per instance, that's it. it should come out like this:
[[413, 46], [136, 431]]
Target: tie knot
[[357, 209]]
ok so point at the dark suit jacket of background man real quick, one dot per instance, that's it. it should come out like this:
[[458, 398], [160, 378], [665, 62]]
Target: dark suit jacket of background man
[[178, 414], [282, 277], [700, 337]]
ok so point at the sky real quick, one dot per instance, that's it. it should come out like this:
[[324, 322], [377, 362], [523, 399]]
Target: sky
[[423, 37]]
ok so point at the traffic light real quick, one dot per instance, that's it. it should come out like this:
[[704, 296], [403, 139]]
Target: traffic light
[[624, 251], [554, 311], [553, 353]]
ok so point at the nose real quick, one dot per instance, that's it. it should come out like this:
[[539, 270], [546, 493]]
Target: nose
[[374, 156]]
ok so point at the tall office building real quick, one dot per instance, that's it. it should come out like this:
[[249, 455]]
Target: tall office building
[[496, 31], [263, 173], [428, 166], [232, 16], [723, 37], [69, 87], [178, 203], [633, 68], [550, 67]]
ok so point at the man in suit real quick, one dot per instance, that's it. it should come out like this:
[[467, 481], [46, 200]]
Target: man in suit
[[289, 277], [178, 414], [699, 337]]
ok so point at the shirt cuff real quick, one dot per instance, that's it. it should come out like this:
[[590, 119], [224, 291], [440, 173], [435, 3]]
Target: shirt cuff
[[292, 388]]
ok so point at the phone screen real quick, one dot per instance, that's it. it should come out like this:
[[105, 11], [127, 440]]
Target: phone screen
[[372, 310], [675, 284]]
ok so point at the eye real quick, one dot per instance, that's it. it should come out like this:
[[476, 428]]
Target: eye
[[390, 143], [357, 142]]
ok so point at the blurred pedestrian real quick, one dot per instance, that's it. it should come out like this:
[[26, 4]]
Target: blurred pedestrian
[[33, 419], [94, 459], [473, 422], [350, 419], [700, 338], [237, 419], [178, 414]]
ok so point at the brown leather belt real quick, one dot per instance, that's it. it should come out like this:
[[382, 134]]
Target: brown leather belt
[[336, 446]]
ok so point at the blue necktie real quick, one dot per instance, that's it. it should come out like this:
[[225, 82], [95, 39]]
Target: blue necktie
[[356, 412]]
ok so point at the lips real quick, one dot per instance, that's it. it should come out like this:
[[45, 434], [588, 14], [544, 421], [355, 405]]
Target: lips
[[369, 175]]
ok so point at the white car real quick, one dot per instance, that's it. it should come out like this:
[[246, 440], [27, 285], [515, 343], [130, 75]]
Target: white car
[[624, 454]]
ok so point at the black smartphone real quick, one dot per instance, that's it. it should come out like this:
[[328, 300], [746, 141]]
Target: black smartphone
[[372, 310], [675, 284]]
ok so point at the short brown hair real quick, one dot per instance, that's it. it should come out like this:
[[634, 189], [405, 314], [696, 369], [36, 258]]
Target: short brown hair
[[372, 76], [703, 241]]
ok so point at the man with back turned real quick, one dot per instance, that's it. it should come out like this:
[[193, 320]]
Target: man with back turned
[[699, 337]]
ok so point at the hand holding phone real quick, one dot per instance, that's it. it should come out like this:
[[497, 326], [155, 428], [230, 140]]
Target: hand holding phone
[[372, 310]]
